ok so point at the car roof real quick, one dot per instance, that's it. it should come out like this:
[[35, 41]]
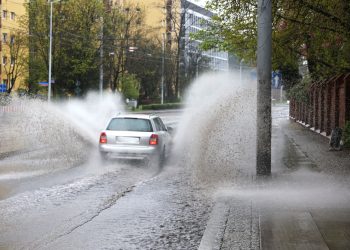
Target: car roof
[[138, 116]]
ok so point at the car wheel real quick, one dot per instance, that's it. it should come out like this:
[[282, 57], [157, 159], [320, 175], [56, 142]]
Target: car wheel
[[104, 156], [146, 163], [162, 158]]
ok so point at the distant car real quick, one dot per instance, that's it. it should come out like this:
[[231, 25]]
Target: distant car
[[136, 137]]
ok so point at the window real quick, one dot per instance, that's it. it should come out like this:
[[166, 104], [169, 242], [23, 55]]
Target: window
[[4, 37], [4, 60], [158, 126], [4, 14], [13, 15], [162, 124], [12, 39], [13, 60], [130, 124]]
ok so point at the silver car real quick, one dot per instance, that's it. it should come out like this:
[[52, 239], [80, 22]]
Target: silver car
[[135, 137]]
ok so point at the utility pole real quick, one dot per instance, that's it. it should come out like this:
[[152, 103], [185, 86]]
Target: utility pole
[[240, 71], [50, 54], [101, 59], [264, 54], [162, 80], [197, 66]]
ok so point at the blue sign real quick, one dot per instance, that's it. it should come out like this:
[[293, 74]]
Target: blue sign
[[3, 88], [43, 83], [276, 79]]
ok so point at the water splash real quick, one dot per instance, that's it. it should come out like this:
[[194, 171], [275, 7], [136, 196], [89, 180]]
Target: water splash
[[55, 136], [216, 134]]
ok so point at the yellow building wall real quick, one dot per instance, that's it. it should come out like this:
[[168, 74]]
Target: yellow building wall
[[11, 13], [155, 16]]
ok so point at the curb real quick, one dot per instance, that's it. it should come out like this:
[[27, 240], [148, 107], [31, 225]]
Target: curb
[[214, 232]]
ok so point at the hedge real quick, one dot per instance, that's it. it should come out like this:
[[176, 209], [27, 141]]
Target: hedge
[[161, 106]]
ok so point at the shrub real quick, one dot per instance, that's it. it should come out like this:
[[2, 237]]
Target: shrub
[[162, 106], [299, 92], [130, 86], [346, 135]]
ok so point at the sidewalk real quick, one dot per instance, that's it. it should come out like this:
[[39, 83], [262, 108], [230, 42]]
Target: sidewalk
[[305, 204]]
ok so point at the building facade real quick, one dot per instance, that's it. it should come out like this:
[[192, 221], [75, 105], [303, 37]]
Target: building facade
[[11, 13], [177, 19], [197, 18], [160, 19]]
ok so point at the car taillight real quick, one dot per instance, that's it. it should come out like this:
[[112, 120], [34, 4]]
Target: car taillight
[[103, 138], [153, 140]]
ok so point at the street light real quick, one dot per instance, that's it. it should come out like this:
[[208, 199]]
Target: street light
[[163, 66], [101, 60], [50, 50], [240, 70], [197, 66]]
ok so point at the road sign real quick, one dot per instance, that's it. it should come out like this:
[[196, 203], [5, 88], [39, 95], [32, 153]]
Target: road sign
[[44, 84], [276, 79], [3, 88]]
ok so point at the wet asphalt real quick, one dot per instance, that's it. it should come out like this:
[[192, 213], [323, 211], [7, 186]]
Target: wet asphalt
[[99, 205]]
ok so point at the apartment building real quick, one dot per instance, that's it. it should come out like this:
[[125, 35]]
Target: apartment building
[[161, 19], [176, 18], [196, 18], [11, 12]]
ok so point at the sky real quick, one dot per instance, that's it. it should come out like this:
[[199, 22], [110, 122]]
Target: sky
[[199, 2]]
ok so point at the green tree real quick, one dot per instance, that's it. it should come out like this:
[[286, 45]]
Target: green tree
[[122, 32], [15, 63], [76, 26], [314, 31], [130, 86], [145, 62]]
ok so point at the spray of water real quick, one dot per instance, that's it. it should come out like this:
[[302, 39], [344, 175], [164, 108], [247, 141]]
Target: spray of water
[[216, 135], [216, 139], [56, 136]]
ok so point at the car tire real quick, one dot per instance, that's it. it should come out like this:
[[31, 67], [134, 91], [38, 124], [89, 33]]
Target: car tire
[[104, 156], [146, 163], [162, 158]]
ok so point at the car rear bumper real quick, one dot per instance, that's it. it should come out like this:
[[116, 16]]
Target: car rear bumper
[[128, 152]]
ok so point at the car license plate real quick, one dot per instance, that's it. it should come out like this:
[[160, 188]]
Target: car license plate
[[128, 140]]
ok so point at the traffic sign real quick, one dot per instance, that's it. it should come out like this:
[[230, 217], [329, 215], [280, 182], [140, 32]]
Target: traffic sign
[[276, 79], [45, 84], [3, 88]]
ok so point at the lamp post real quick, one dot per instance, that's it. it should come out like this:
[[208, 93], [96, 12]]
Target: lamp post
[[197, 66], [162, 80], [50, 52], [240, 71], [101, 61]]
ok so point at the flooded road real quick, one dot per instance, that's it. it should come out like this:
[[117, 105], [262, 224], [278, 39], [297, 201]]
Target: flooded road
[[56, 193], [124, 208], [96, 205]]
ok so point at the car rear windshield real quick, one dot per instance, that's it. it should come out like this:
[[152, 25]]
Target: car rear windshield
[[130, 124]]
